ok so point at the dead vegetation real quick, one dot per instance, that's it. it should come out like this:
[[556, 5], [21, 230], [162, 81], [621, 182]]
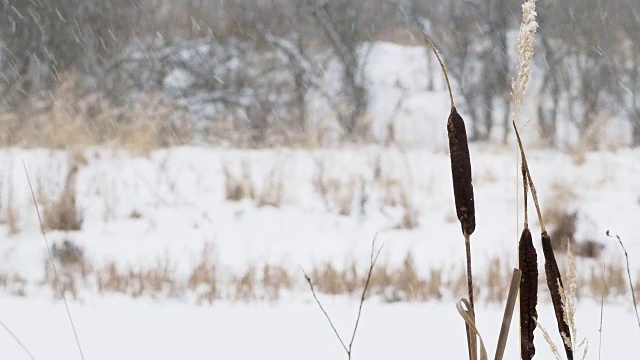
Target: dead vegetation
[[208, 282], [62, 213], [77, 119], [240, 185]]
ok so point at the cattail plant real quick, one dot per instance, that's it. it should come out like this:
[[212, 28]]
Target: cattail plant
[[554, 279], [462, 190]]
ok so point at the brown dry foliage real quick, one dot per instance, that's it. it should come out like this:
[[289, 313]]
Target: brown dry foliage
[[71, 117], [62, 213]]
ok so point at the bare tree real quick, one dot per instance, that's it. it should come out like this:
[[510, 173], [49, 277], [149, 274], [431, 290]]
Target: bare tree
[[627, 58], [45, 39], [340, 23]]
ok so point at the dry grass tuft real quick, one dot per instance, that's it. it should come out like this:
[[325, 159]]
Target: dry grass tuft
[[203, 281], [62, 213], [237, 188], [272, 191], [12, 215], [497, 280], [409, 214], [14, 284], [158, 281], [72, 267], [275, 279], [244, 285]]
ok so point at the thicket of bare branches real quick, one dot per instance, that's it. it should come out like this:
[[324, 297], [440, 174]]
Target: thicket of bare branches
[[123, 49]]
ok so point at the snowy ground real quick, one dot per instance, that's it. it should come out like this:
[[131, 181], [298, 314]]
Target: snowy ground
[[179, 197], [115, 328]]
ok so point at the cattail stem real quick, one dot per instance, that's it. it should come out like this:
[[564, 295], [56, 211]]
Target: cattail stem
[[534, 193], [467, 244], [444, 69], [526, 193], [470, 332]]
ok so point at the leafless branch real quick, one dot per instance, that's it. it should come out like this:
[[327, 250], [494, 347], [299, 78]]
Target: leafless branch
[[372, 263], [373, 259], [325, 314]]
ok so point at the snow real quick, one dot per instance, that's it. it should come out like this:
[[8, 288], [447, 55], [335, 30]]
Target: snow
[[116, 328]]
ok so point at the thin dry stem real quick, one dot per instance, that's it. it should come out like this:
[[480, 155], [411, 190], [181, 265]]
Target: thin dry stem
[[15, 337], [326, 315], [372, 263], [444, 69], [633, 293], [525, 186], [604, 284], [53, 265]]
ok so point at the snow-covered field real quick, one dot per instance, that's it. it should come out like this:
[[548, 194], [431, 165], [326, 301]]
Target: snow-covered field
[[323, 205], [115, 328], [320, 205]]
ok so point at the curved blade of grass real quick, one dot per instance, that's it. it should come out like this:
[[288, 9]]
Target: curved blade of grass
[[469, 319]]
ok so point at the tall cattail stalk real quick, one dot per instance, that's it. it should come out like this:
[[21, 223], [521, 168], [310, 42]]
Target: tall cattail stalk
[[462, 190]]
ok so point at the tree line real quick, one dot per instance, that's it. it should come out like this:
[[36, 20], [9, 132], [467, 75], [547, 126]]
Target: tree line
[[586, 63]]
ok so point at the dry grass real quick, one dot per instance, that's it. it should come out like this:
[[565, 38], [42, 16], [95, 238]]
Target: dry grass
[[207, 282], [13, 284], [203, 282], [12, 215], [237, 187], [62, 213], [158, 281], [272, 191], [72, 268], [71, 118]]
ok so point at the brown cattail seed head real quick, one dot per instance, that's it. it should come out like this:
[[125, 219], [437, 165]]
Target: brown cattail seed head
[[554, 282], [528, 263], [461, 172]]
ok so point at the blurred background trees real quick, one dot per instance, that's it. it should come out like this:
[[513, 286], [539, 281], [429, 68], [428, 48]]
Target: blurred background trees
[[258, 66]]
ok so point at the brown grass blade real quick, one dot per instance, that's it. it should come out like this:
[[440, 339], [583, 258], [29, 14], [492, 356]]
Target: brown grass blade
[[528, 263]]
